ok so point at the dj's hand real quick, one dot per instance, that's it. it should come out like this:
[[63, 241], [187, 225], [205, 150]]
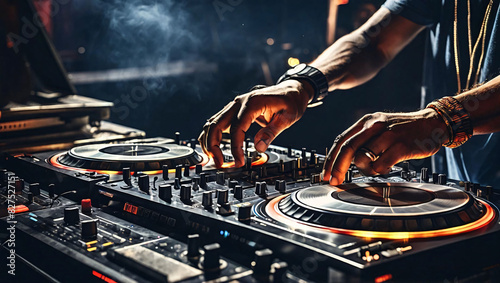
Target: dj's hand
[[380, 140], [274, 108]]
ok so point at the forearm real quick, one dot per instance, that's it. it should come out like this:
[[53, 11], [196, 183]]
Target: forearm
[[357, 57], [483, 105]]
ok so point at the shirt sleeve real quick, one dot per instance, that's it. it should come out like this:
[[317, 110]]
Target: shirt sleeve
[[422, 12]]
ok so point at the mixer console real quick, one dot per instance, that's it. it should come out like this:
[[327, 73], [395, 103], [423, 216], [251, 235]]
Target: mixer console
[[163, 212]]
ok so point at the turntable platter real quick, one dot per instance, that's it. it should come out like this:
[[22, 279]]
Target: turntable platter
[[138, 157], [394, 210]]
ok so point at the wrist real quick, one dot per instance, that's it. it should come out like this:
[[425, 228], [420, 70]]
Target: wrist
[[439, 132]]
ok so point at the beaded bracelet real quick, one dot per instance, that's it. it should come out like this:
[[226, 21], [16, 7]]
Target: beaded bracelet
[[457, 120]]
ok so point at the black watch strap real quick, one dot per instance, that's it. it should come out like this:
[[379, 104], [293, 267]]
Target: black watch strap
[[312, 75]]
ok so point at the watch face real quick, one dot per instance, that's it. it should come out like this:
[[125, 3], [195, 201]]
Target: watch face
[[297, 69]]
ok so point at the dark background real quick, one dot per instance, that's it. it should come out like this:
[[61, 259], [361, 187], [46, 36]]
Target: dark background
[[230, 37]]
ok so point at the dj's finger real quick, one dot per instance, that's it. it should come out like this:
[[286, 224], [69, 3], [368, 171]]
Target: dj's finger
[[347, 150], [339, 140], [395, 154], [214, 133], [202, 140], [245, 118], [267, 134]]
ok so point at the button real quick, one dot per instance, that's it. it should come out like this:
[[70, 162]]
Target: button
[[244, 213], [222, 197], [442, 179], [203, 181], [165, 172], [262, 264], [280, 269], [178, 171], [86, 206], [280, 186], [35, 189], [165, 192], [198, 169], [144, 183], [19, 185], [195, 186], [89, 230], [435, 178], [424, 175], [206, 199], [232, 184], [185, 193], [71, 215], [193, 249], [261, 189], [238, 192], [177, 183], [211, 258], [219, 177], [126, 176]]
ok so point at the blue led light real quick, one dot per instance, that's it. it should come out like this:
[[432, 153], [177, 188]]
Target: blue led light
[[32, 214], [34, 219]]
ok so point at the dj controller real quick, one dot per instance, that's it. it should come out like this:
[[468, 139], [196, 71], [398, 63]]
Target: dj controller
[[158, 210]]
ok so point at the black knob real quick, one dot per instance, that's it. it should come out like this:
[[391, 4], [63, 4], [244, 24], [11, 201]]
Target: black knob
[[348, 176], [406, 166], [185, 193], [304, 155], [186, 170], [467, 186], [198, 169], [476, 187], [222, 197], [281, 186], [219, 177], [144, 183], [244, 213], [424, 175], [289, 151], [165, 172], [196, 184], [248, 162], [177, 138], [178, 171], [52, 190], [232, 184], [19, 185], [316, 178], [126, 176], [312, 158], [488, 192], [35, 189], [71, 215], [435, 178], [203, 181], [206, 199], [211, 258], [29, 195], [261, 189], [89, 230], [238, 192], [193, 143], [165, 192], [280, 269], [193, 248], [262, 263], [442, 179], [177, 183]]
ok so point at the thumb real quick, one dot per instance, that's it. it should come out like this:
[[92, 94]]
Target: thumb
[[266, 135]]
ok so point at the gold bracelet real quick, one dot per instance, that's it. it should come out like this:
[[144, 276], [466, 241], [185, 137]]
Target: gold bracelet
[[456, 118]]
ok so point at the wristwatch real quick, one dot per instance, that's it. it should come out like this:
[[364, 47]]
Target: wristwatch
[[314, 76]]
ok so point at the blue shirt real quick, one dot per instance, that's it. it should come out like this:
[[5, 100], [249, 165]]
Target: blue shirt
[[478, 160]]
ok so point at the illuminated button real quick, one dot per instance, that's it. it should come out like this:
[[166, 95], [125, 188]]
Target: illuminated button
[[86, 206], [20, 208]]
